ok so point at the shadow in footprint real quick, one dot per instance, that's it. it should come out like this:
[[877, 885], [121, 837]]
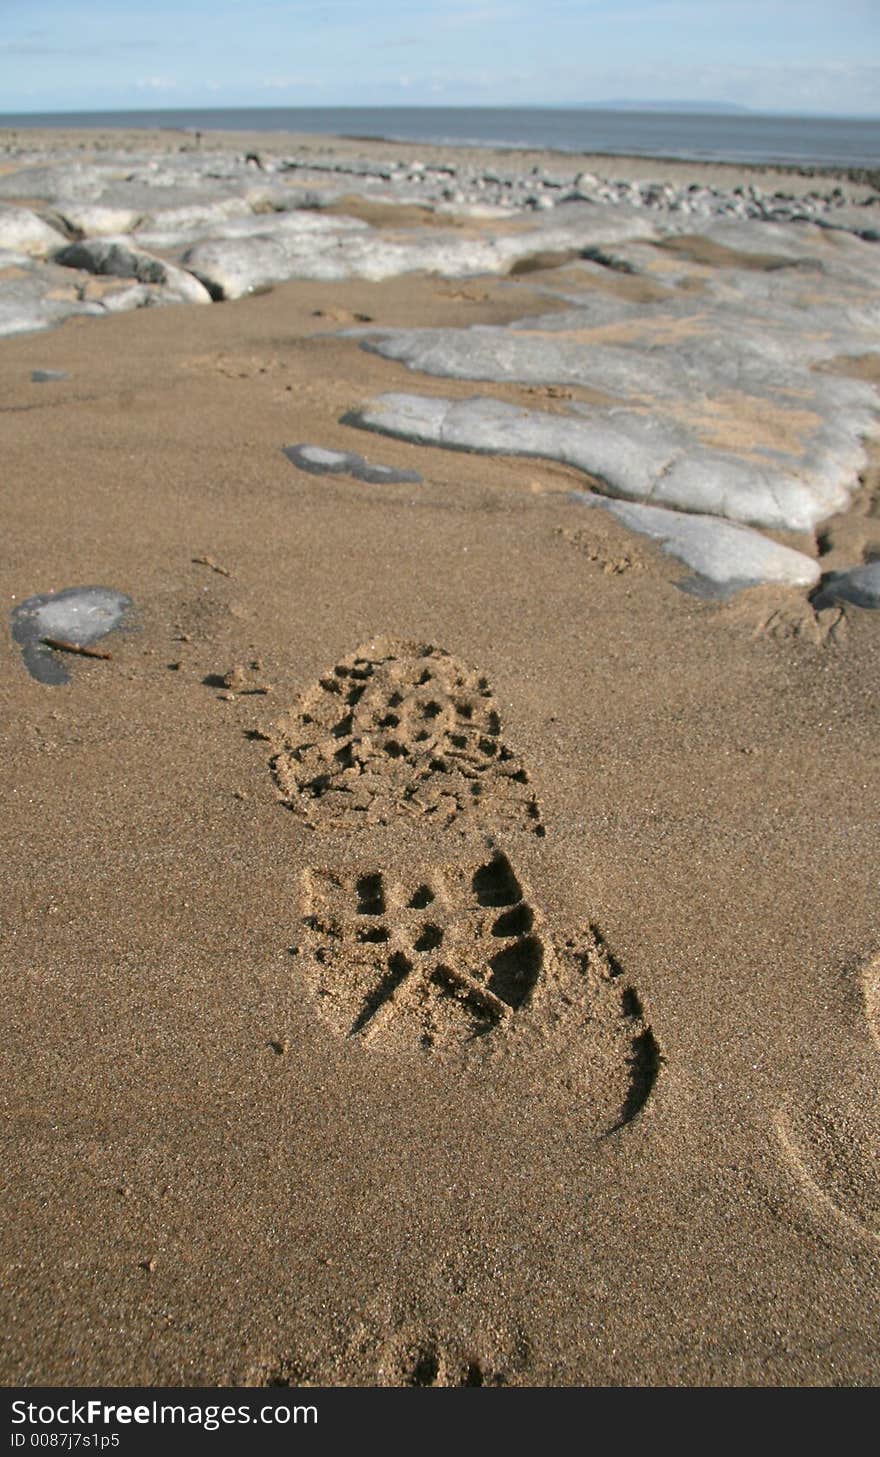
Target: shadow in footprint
[[495, 883], [645, 1060], [515, 971]]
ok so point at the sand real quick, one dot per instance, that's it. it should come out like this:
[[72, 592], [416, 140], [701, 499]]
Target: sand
[[257, 1130]]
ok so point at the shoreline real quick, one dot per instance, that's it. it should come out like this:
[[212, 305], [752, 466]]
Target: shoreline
[[870, 175], [629, 164]]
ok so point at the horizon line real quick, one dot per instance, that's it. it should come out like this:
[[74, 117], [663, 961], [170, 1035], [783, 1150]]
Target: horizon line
[[730, 110]]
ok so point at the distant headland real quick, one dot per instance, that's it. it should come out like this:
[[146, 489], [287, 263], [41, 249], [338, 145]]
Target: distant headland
[[710, 108]]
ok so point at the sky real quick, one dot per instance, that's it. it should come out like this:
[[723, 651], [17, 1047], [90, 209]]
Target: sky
[[808, 56]]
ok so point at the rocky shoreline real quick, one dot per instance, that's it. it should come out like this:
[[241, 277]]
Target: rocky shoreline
[[714, 395]]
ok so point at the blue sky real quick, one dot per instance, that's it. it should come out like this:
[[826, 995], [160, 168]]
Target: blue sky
[[820, 56]]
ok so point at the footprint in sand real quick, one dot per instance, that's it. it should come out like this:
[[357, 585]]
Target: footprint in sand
[[456, 960], [831, 1142], [422, 1360], [450, 954], [402, 729], [235, 366], [393, 1347]]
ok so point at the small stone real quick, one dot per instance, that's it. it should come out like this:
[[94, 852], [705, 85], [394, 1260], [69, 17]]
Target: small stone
[[319, 461], [378, 475], [78, 615], [860, 586]]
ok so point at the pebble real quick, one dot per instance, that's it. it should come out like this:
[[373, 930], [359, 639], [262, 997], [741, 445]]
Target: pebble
[[80, 615], [860, 586], [318, 461]]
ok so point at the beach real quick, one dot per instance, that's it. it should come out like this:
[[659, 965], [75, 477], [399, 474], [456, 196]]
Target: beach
[[438, 949]]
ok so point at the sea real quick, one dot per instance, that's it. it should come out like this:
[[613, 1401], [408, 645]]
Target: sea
[[796, 141]]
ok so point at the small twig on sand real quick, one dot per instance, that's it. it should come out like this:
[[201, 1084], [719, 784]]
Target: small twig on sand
[[208, 561], [61, 645]]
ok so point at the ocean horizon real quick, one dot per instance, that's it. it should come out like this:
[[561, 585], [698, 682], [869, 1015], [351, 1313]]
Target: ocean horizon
[[687, 135]]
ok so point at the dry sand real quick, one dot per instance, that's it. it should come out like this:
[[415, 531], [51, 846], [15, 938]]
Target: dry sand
[[669, 1173]]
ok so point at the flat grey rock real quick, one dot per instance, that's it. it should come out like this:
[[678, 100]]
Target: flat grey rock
[[176, 227], [294, 233], [81, 615], [258, 253], [731, 358], [199, 174], [385, 475], [795, 243], [318, 461], [635, 453], [715, 397], [234, 266], [40, 300], [117, 257], [724, 556], [718, 399], [859, 585], [144, 296], [478, 211], [99, 220], [50, 182], [21, 231]]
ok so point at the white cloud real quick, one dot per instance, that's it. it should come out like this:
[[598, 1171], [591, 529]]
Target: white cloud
[[291, 83], [156, 83]]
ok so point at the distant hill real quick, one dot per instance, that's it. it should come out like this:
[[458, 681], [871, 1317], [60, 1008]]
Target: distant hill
[[708, 108]]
